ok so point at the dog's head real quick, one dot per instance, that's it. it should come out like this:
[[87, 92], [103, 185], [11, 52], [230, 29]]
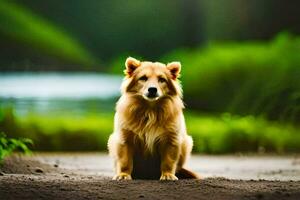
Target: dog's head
[[151, 80]]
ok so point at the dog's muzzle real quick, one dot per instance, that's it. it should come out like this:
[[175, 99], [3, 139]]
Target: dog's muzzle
[[152, 93]]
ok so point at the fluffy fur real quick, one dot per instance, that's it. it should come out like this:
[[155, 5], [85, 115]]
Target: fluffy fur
[[150, 138]]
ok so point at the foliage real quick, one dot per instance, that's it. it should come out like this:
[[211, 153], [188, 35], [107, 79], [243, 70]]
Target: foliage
[[52, 132], [227, 134], [250, 78], [21, 24], [211, 134], [9, 145]]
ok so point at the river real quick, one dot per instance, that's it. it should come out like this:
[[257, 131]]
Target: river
[[58, 92]]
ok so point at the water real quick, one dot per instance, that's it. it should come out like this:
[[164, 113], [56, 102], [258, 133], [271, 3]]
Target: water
[[58, 92]]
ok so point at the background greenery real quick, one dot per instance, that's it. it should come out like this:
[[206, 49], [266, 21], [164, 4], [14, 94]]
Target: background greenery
[[62, 35], [223, 133], [240, 74], [249, 78]]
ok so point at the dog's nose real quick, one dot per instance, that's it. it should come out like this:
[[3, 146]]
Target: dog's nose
[[152, 91]]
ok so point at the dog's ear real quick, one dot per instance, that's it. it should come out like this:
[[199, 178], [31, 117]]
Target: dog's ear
[[174, 68], [131, 64]]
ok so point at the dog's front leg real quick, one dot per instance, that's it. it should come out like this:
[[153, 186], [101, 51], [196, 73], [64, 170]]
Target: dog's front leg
[[169, 159], [124, 162]]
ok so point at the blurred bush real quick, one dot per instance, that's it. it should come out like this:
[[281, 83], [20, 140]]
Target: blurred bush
[[227, 134], [211, 134], [9, 145], [51, 132], [250, 78]]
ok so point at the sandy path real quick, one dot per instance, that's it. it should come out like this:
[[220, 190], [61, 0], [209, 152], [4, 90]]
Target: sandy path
[[87, 176], [231, 167]]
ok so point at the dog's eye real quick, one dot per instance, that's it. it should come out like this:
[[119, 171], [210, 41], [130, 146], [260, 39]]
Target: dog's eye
[[143, 78], [161, 80]]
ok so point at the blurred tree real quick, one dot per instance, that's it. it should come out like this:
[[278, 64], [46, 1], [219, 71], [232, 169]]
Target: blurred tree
[[192, 23], [151, 28], [244, 20]]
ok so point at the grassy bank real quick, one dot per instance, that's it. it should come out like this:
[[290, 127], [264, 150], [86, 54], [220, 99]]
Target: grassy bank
[[228, 134], [212, 134]]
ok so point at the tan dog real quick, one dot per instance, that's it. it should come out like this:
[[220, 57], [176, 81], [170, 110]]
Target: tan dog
[[150, 139]]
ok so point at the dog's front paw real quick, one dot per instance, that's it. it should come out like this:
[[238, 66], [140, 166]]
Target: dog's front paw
[[168, 177], [122, 176]]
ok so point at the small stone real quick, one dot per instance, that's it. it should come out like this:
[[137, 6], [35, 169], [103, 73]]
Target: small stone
[[66, 176], [55, 165], [39, 170], [141, 196]]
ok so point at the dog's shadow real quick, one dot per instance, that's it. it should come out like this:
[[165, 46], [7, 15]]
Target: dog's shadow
[[146, 167]]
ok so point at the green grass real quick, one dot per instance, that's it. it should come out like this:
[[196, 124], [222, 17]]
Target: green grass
[[9, 145], [63, 132], [211, 134], [227, 134]]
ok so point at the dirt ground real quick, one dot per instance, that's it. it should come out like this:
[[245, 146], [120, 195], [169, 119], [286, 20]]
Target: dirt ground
[[88, 176]]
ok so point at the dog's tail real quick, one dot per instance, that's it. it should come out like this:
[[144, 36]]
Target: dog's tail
[[186, 174]]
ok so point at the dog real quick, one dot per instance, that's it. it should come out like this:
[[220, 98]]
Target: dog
[[150, 139]]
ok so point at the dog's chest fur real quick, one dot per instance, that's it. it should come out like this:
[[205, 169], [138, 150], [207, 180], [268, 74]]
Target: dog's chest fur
[[149, 125], [148, 130]]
